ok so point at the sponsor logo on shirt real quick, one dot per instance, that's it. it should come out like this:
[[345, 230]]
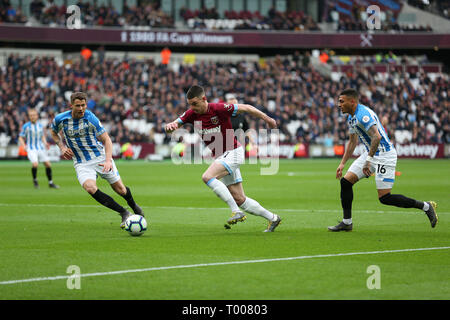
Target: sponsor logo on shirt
[[210, 130]]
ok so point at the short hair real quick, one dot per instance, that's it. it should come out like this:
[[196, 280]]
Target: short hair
[[79, 96], [195, 92], [350, 92]]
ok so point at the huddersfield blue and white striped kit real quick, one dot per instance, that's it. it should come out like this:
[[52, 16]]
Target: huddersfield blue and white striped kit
[[385, 158], [81, 137], [33, 134]]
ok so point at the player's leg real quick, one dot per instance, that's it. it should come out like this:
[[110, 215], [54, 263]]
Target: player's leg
[[34, 169], [252, 206], [347, 183], [113, 177], [125, 192], [33, 157], [48, 172], [87, 176], [385, 197], [353, 175], [211, 177], [91, 187]]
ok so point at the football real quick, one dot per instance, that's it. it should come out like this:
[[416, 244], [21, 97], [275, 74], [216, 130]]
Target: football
[[136, 225]]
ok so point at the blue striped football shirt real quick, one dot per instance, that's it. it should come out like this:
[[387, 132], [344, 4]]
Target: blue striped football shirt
[[33, 133], [81, 135], [360, 123]]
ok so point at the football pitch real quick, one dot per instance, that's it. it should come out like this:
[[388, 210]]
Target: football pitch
[[187, 254]]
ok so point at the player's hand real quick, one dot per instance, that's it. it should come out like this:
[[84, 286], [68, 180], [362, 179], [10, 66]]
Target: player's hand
[[170, 127], [67, 153], [47, 146], [272, 123], [339, 171], [366, 169], [107, 166]]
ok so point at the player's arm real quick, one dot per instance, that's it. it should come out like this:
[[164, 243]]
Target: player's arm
[[375, 141], [22, 142], [251, 110], [174, 125], [107, 143], [67, 153], [376, 138], [21, 138], [349, 149], [44, 139]]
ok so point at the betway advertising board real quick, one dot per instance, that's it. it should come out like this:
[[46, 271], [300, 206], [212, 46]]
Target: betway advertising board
[[413, 150]]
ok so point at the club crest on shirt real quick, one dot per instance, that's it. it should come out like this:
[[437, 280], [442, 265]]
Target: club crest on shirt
[[228, 107], [215, 120]]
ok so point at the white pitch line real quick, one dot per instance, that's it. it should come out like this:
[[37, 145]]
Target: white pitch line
[[96, 274], [203, 208]]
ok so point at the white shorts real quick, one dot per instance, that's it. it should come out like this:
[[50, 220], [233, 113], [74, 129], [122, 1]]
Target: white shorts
[[232, 160], [91, 170], [383, 166], [37, 155]]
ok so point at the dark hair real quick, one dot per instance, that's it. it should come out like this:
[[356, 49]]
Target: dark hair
[[79, 96], [195, 92], [350, 92]]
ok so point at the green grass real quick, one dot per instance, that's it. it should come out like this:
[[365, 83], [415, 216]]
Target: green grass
[[44, 231]]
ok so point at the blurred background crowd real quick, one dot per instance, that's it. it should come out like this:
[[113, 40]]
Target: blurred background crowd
[[347, 15], [289, 88], [134, 98]]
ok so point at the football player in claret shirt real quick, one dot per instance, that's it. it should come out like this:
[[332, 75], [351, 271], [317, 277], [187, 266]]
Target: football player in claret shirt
[[380, 158], [223, 176]]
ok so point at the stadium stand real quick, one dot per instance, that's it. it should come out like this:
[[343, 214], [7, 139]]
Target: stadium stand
[[49, 13], [209, 19], [139, 96], [347, 15], [438, 7], [352, 16]]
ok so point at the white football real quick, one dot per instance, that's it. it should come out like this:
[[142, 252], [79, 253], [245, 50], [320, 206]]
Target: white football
[[136, 225]]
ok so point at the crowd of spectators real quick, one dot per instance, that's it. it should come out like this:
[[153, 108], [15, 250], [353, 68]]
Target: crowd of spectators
[[288, 88], [434, 6], [274, 20], [91, 14], [351, 25], [356, 20], [150, 14], [10, 14]]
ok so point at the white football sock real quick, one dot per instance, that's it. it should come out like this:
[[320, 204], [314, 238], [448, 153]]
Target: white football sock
[[426, 206], [223, 193], [253, 207], [347, 221]]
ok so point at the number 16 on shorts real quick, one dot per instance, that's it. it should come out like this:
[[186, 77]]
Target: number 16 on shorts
[[384, 176]]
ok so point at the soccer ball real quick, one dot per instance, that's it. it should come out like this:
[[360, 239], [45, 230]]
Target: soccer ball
[[136, 225]]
